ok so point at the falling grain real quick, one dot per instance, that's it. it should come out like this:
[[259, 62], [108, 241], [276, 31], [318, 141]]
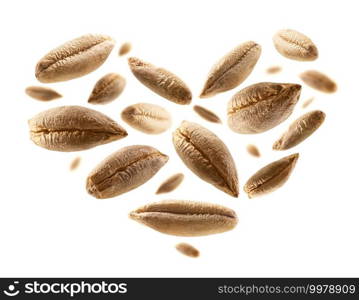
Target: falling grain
[[207, 156], [74, 59], [295, 45], [262, 106], [124, 170], [107, 89], [187, 249], [274, 70], [73, 128], [170, 184], [232, 69], [186, 218], [75, 163], [42, 93], [206, 114], [160, 81], [253, 150], [319, 81], [271, 177], [300, 130], [147, 118], [124, 49]]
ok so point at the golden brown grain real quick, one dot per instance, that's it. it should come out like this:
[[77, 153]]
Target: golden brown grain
[[319, 81], [187, 249], [124, 170], [295, 45], [271, 177], [186, 218], [74, 59], [232, 69], [42, 93], [160, 81], [253, 150], [107, 89], [73, 128], [170, 184], [147, 118], [75, 163], [207, 156], [124, 49], [300, 130], [274, 70], [206, 114], [262, 106]]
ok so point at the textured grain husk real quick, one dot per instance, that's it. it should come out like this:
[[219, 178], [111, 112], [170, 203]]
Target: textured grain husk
[[319, 81], [206, 114], [170, 184], [107, 89], [73, 128], [300, 130], [74, 59], [124, 170], [160, 81], [186, 218], [295, 45], [232, 69], [187, 249], [271, 177], [42, 93], [206, 156], [147, 118], [262, 106]]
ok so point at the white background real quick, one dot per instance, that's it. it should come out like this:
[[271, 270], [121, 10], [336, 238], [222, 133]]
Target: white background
[[50, 226]]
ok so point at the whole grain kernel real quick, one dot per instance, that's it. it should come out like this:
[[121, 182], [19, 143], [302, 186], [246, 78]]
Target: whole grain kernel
[[160, 81], [300, 130], [170, 184], [262, 106], [206, 114], [75, 163], [147, 118], [319, 81], [295, 45], [253, 150], [274, 70], [124, 170], [187, 249], [232, 69], [42, 93], [74, 59], [73, 128], [107, 89], [207, 156], [186, 218], [271, 177], [124, 49]]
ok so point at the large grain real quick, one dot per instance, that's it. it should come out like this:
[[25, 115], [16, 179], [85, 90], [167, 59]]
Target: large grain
[[262, 106], [124, 170], [73, 128], [186, 218], [207, 156]]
